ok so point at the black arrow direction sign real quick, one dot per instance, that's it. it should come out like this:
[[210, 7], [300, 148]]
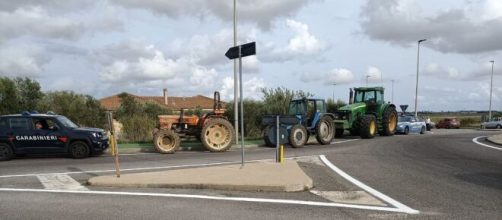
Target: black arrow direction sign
[[246, 50]]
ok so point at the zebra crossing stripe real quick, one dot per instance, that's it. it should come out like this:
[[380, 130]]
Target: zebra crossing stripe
[[60, 182]]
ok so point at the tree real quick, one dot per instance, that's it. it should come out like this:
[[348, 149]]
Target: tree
[[334, 106], [253, 112], [138, 119], [82, 109], [29, 93], [9, 103], [277, 100]]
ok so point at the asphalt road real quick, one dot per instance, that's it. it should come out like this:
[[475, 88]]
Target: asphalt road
[[443, 175]]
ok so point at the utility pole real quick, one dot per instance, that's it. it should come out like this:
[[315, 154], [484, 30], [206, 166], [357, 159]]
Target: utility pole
[[392, 90], [416, 88], [491, 87], [334, 84], [236, 81]]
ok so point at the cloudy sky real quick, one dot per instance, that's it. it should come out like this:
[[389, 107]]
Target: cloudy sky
[[102, 47]]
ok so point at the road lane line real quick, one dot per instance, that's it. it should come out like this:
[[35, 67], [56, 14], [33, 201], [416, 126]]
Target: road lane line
[[339, 142], [145, 168], [475, 140], [236, 199], [368, 189], [60, 182]]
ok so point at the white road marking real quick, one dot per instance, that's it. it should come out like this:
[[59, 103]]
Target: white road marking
[[475, 140], [237, 199], [135, 154], [339, 142], [143, 168], [368, 189], [60, 182]]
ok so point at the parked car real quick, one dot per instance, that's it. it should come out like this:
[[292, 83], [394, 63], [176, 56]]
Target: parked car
[[33, 133], [448, 123], [492, 124], [409, 123]]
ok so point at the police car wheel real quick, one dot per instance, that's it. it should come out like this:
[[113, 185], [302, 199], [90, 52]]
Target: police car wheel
[[79, 149], [5, 152]]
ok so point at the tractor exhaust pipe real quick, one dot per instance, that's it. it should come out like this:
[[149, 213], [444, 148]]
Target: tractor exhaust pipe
[[351, 96]]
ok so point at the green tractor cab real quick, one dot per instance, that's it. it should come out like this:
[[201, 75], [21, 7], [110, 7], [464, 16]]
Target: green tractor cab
[[367, 114], [305, 117]]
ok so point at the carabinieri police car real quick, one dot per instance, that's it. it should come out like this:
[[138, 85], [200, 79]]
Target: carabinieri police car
[[34, 133]]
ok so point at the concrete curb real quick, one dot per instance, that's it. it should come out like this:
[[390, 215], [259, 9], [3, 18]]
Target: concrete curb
[[496, 139], [258, 176]]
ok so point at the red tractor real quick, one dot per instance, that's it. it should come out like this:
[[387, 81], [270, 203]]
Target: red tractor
[[213, 129]]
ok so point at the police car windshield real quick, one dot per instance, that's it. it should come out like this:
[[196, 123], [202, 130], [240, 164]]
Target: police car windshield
[[67, 122]]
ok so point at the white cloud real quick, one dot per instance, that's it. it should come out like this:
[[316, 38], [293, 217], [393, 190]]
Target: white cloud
[[155, 68], [303, 42], [136, 66], [302, 45], [336, 75], [56, 5], [475, 28], [261, 12], [441, 72], [25, 60], [374, 74], [37, 21], [252, 88], [250, 65], [203, 78], [208, 50]]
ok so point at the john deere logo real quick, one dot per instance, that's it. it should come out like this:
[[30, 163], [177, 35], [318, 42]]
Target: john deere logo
[[36, 138]]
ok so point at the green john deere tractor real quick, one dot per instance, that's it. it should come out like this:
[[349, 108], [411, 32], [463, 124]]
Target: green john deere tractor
[[367, 114]]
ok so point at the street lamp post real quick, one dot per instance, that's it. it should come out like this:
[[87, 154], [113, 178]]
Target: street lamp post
[[367, 76], [416, 88], [334, 84], [392, 90], [491, 87]]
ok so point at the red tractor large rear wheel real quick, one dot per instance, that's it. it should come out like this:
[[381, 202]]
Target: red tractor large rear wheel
[[217, 135]]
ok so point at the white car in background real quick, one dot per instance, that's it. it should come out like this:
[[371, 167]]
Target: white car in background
[[492, 124]]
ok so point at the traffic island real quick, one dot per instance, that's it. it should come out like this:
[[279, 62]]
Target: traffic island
[[256, 176], [496, 139]]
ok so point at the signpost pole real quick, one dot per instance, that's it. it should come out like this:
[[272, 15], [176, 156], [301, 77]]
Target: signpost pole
[[277, 149], [242, 107], [236, 81], [232, 53]]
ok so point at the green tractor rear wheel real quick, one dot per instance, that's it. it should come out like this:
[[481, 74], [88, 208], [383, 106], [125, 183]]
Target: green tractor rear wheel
[[368, 126], [389, 121]]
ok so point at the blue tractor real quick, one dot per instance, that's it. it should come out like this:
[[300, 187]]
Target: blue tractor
[[306, 117]]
